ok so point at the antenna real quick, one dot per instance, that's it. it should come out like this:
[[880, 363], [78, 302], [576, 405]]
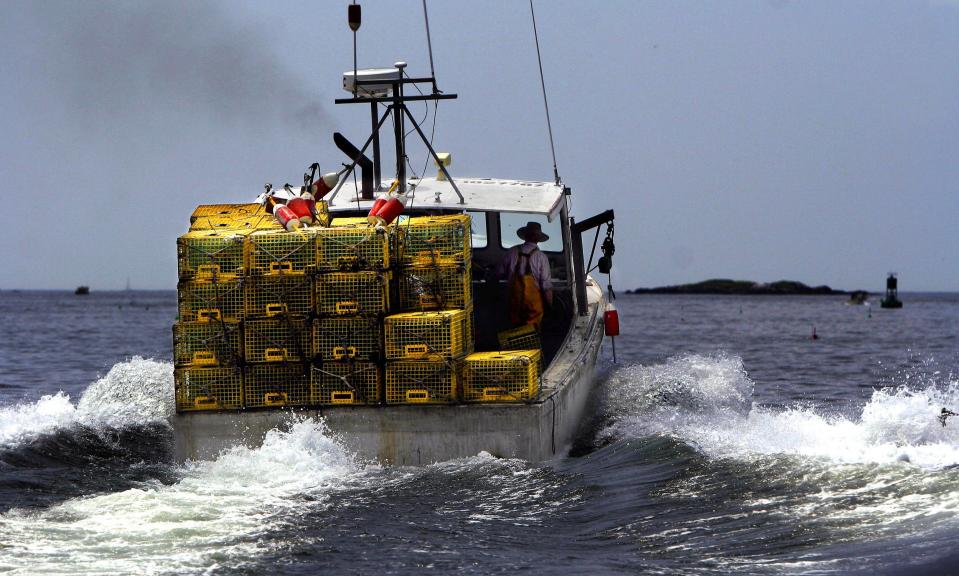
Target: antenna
[[354, 17], [549, 125], [429, 46]]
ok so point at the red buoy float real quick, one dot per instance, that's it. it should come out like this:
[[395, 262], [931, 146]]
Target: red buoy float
[[326, 183], [286, 217], [301, 208], [310, 202], [611, 320], [390, 209], [377, 204]]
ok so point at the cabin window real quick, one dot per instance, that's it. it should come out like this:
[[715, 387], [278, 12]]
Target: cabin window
[[509, 223], [478, 229]]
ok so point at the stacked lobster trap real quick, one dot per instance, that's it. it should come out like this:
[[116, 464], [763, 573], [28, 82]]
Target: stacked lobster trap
[[352, 297], [244, 297], [347, 314], [427, 340]]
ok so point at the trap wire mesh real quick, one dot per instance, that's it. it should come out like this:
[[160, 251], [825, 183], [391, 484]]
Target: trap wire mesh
[[435, 287], [278, 339], [208, 388], [213, 343], [345, 383], [422, 382], [206, 300], [277, 384], [425, 335]]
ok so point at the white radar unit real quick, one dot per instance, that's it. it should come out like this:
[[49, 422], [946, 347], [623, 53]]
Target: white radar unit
[[386, 75]]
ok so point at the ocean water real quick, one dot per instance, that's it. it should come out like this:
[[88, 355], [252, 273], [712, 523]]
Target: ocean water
[[725, 440]]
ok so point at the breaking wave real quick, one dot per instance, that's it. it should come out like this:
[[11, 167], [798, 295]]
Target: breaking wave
[[212, 517], [135, 392], [879, 482], [705, 401]]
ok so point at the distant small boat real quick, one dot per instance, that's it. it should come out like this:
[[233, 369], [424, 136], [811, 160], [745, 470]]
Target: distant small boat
[[858, 297], [82, 290]]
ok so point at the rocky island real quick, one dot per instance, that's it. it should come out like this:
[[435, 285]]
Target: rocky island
[[726, 286]]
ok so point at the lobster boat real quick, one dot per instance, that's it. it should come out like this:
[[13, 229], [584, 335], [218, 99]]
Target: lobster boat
[[384, 312]]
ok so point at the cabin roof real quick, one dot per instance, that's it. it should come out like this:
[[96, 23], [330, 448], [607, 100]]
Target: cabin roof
[[479, 194]]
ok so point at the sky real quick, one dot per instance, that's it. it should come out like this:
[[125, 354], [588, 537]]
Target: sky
[[815, 141]]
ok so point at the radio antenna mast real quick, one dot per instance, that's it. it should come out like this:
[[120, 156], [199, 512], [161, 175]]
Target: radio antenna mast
[[354, 18], [429, 46], [542, 82]]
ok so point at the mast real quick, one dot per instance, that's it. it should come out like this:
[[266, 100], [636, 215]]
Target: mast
[[385, 85], [398, 133], [373, 86]]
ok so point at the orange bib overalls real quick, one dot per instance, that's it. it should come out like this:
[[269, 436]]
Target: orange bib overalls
[[525, 297]]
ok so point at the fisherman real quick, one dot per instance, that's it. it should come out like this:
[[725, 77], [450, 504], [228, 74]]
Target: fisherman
[[527, 270]]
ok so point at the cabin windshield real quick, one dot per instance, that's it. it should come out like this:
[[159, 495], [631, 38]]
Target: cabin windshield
[[478, 229]]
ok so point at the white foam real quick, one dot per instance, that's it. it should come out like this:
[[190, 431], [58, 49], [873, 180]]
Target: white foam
[[138, 391], [213, 517], [704, 400], [24, 421]]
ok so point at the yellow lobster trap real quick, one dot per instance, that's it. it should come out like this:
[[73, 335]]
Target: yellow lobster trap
[[425, 335], [431, 240], [352, 248], [268, 296], [352, 293], [345, 383], [227, 211], [278, 252], [422, 382], [277, 384], [223, 217], [206, 300], [206, 344], [352, 338], [507, 376], [210, 254], [208, 388], [279, 339], [435, 287], [522, 338]]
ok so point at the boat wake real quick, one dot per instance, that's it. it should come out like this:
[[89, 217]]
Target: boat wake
[[213, 516], [705, 401], [133, 393], [882, 482], [115, 436]]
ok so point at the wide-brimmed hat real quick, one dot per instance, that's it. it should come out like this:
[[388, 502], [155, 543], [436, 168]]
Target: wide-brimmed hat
[[532, 232]]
